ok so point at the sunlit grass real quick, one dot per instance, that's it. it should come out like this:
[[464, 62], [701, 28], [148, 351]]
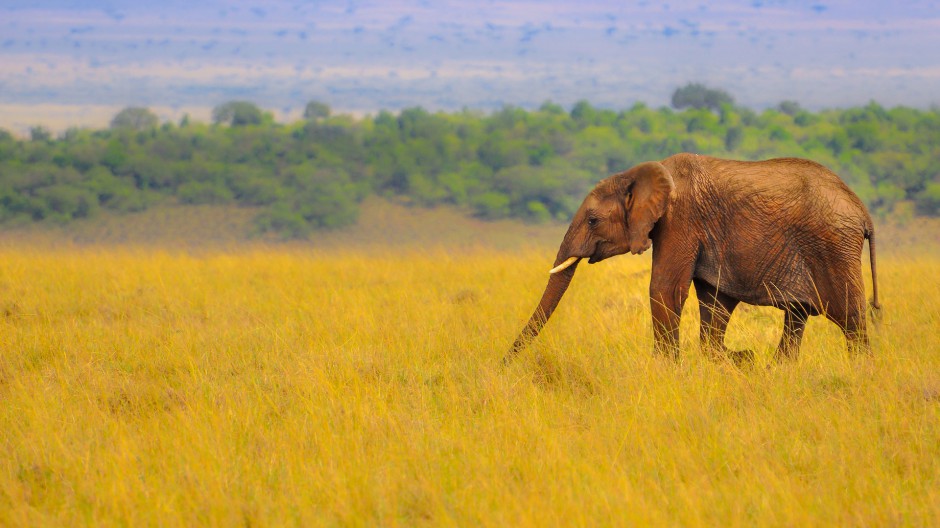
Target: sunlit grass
[[290, 386]]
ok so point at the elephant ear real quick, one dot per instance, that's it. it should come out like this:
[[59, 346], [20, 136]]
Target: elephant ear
[[646, 202]]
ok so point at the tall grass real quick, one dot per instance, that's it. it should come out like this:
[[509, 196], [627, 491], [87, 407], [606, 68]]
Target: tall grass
[[289, 386]]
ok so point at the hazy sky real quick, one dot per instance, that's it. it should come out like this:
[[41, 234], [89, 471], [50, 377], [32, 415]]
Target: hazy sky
[[367, 55]]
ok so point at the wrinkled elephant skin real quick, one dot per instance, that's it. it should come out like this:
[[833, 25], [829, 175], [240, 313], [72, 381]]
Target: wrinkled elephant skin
[[784, 232]]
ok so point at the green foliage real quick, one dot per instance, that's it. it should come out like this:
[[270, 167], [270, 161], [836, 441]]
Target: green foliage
[[928, 200], [534, 165], [322, 198], [699, 96], [64, 202], [733, 138], [316, 110], [791, 108], [491, 205], [40, 134], [197, 192], [237, 113], [134, 118]]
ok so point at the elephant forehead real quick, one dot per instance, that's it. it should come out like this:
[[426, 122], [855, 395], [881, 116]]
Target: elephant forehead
[[591, 201], [600, 200], [616, 184], [600, 205]]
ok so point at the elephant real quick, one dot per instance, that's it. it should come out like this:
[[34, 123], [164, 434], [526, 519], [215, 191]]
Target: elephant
[[784, 232]]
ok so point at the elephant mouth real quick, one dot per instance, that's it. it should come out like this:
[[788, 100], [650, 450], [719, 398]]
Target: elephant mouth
[[599, 253]]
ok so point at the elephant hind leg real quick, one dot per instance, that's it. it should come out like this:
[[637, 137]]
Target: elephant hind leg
[[715, 309], [855, 330], [849, 315], [794, 322]]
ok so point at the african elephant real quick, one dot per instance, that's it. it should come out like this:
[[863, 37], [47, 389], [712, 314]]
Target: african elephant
[[784, 232]]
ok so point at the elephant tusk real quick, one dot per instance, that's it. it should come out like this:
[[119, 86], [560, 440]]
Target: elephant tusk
[[563, 265]]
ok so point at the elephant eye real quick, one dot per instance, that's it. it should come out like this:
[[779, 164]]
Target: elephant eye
[[592, 221]]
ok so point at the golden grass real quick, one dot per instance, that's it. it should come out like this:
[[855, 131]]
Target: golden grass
[[287, 386]]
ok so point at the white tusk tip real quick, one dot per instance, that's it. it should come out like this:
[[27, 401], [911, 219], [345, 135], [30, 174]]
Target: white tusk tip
[[563, 265]]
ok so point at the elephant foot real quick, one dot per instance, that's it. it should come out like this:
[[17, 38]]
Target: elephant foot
[[786, 353], [740, 358], [859, 347], [667, 352], [782, 357]]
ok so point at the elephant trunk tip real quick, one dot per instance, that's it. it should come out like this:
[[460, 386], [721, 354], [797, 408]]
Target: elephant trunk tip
[[875, 308], [518, 345]]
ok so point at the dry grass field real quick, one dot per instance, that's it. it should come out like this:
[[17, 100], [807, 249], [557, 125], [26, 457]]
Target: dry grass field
[[271, 385]]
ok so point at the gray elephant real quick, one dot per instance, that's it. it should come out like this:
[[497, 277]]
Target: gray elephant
[[784, 232]]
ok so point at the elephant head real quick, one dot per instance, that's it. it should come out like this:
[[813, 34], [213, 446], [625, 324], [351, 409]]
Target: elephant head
[[616, 217]]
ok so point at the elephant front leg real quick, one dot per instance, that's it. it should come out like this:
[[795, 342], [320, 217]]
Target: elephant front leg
[[666, 302], [715, 309], [794, 322]]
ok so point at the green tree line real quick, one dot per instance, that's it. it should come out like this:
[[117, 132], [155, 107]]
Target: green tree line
[[511, 163]]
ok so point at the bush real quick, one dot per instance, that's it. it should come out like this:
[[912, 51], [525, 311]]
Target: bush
[[16, 206], [135, 118], [237, 113], [510, 163], [491, 205], [733, 138], [696, 95], [195, 192], [928, 200], [328, 199], [319, 198], [280, 218], [63, 203], [536, 211], [256, 191]]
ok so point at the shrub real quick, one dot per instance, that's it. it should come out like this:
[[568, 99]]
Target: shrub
[[195, 192]]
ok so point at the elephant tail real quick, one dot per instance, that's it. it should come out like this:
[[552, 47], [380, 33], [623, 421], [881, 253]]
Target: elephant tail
[[873, 303]]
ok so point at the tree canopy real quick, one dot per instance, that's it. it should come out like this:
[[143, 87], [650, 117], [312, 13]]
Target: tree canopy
[[316, 110], [698, 96], [135, 118], [533, 165], [237, 113]]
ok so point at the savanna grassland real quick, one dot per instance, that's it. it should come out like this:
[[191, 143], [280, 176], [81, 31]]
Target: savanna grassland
[[270, 385]]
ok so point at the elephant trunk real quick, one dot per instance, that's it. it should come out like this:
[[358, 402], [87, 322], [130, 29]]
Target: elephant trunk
[[557, 285]]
